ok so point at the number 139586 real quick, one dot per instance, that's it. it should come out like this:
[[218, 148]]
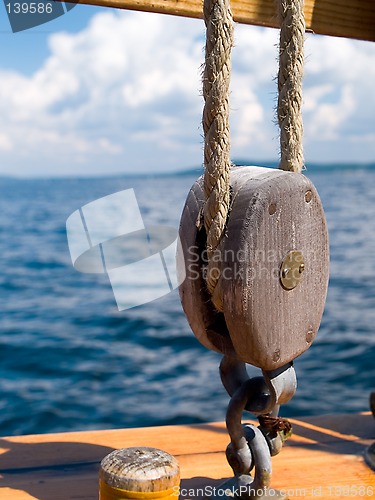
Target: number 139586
[[29, 8], [351, 491]]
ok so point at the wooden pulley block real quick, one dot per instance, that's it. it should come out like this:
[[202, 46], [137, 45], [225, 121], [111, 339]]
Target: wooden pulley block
[[273, 264]]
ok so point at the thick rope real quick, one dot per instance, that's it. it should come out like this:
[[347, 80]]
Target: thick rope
[[216, 77], [292, 34]]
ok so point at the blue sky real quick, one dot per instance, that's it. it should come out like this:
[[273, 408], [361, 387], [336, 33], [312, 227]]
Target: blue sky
[[101, 91]]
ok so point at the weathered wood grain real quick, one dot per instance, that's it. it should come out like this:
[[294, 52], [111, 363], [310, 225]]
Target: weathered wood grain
[[322, 459], [345, 18], [273, 213], [139, 469], [207, 324]]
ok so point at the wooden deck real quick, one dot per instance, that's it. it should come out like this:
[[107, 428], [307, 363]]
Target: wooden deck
[[323, 459]]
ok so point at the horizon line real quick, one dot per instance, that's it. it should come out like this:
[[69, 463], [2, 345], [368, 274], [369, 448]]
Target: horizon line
[[320, 166]]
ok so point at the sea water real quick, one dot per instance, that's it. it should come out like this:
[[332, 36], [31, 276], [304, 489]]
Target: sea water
[[69, 360]]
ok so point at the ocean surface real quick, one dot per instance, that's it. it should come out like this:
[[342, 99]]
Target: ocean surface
[[69, 360]]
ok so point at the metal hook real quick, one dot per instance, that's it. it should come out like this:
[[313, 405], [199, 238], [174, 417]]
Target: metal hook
[[251, 446]]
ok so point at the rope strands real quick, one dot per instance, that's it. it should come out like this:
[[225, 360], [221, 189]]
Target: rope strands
[[216, 78], [291, 57]]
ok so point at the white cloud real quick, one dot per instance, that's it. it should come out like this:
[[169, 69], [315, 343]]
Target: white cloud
[[327, 118], [248, 119], [253, 93], [126, 91], [127, 75], [339, 102], [5, 143], [313, 95]]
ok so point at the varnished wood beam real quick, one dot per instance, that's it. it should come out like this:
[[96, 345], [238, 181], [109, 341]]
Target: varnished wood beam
[[345, 18]]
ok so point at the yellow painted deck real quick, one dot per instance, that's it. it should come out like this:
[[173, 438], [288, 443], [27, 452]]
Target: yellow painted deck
[[323, 459]]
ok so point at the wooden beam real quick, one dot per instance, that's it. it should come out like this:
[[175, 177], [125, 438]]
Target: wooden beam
[[345, 18]]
